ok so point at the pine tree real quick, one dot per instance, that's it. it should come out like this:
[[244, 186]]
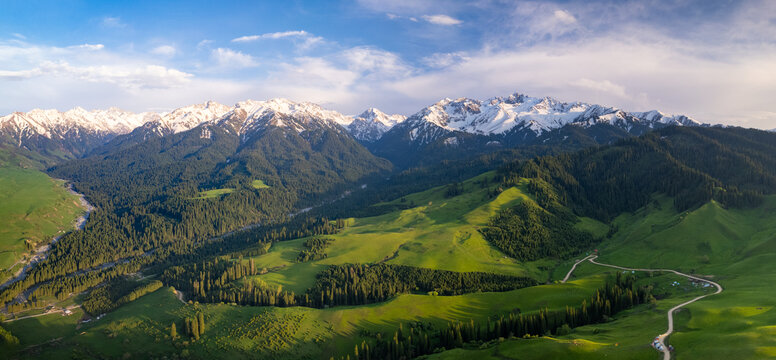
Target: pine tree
[[195, 329], [201, 321], [173, 331]]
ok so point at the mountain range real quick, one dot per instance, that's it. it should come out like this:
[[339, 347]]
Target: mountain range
[[461, 126]]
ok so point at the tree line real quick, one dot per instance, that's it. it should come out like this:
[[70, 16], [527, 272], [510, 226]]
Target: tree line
[[618, 294], [216, 282]]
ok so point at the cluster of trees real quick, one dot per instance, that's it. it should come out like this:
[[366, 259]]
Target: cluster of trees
[[315, 249], [215, 282], [366, 284], [454, 189], [200, 279], [528, 232], [116, 293], [617, 294], [194, 327]]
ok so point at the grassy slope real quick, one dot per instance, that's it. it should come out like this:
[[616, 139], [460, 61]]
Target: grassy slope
[[33, 207], [737, 247], [439, 233], [427, 235], [739, 242], [248, 332]]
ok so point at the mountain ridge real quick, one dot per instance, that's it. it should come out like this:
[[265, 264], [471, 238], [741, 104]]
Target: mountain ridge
[[513, 120]]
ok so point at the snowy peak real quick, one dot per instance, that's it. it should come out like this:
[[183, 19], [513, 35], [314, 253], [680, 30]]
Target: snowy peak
[[371, 124], [54, 124], [375, 115], [250, 116], [188, 117], [521, 113]]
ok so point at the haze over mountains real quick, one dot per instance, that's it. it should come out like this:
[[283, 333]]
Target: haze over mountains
[[462, 125]]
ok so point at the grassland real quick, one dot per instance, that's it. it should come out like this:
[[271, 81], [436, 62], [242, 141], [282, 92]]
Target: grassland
[[214, 193], [33, 208], [735, 246], [438, 233], [249, 332]]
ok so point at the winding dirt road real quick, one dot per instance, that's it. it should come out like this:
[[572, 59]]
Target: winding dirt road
[[664, 336], [575, 266]]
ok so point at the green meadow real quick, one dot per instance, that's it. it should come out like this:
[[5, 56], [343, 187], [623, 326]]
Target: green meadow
[[439, 233], [34, 209], [737, 247], [214, 193]]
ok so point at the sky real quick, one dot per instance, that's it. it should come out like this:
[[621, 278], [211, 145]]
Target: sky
[[712, 60]]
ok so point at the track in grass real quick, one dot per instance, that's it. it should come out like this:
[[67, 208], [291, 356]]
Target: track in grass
[[661, 345]]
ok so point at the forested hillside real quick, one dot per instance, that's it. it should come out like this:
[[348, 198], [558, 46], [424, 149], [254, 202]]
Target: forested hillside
[[183, 189], [693, 165]]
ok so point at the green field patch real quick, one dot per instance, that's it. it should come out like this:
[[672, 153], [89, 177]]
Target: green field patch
[[259, 184], [209, 194]]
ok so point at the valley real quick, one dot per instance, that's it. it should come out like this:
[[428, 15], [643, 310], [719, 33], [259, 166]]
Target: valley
[[36, 210], [281, 235]]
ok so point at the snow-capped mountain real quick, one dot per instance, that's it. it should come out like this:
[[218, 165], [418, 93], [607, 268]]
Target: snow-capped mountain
[[250, 116], [372, 124], [470, 125], [54, 124], [188, 117], [518, 112], [475, 126], [69, 133]]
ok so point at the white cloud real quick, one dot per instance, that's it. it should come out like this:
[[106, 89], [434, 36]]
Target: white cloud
[[440, 19], [442, 60], [564, 16], [274, 35], [204, 43], [112, 22], [374, 61], [91, 47], [233, 59], [604, 86], [19, 36], [164, 50], [149, 76]]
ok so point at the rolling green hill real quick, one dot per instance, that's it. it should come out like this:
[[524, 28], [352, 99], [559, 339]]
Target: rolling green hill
[[34, 209]]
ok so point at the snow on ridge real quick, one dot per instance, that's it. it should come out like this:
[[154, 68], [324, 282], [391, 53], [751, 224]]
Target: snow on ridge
[[499, 115], [249, 115], [371, 124]]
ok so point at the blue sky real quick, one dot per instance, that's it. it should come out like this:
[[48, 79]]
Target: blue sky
[[712, 60]]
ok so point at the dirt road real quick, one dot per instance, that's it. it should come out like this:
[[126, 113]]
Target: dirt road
[[662, 338]]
